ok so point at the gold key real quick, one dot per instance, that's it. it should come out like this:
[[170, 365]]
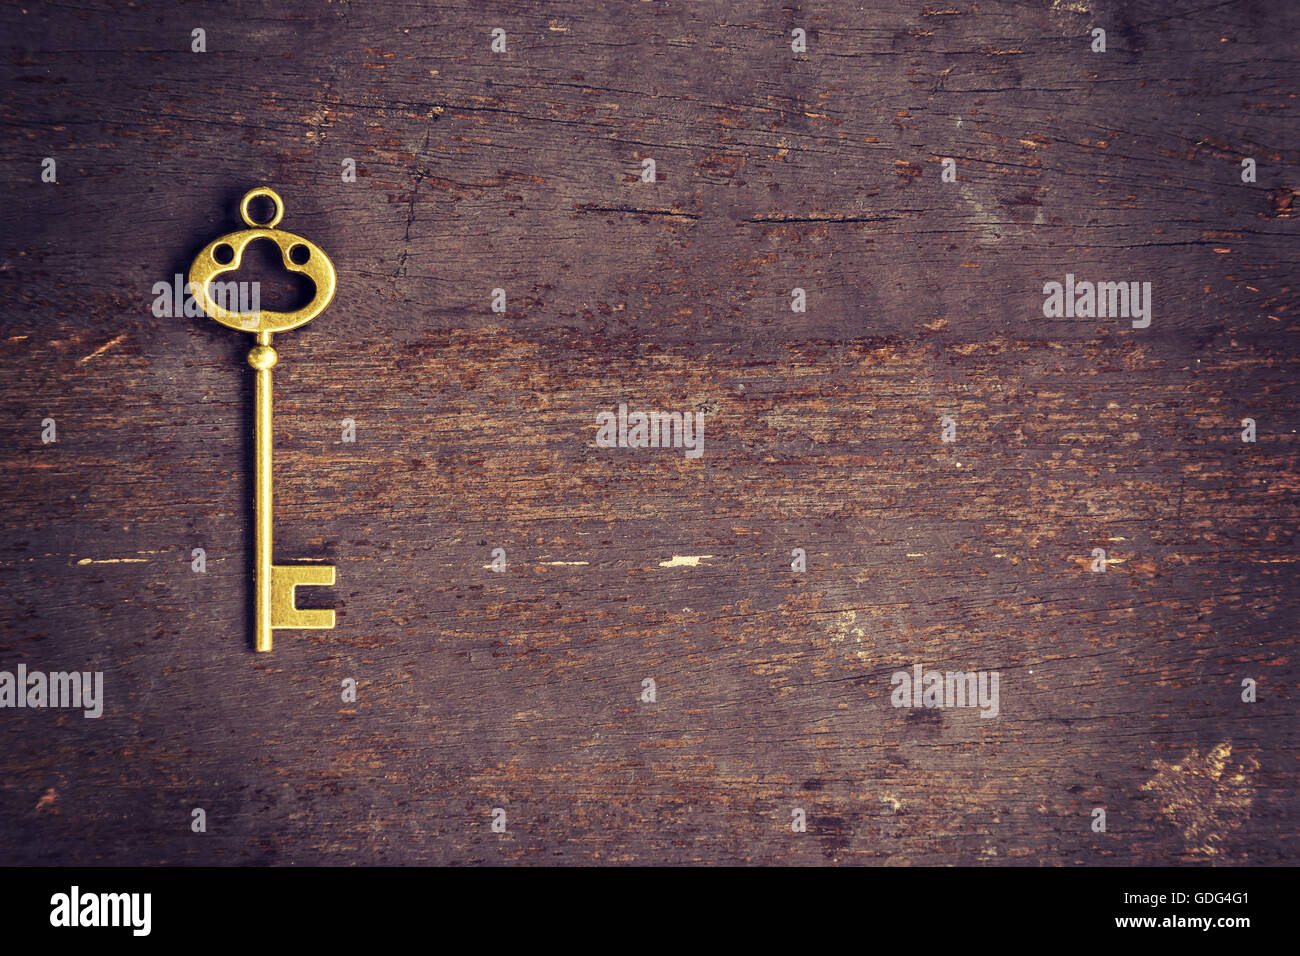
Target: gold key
[[274, 584]]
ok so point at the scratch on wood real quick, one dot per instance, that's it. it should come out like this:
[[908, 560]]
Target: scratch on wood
[[1203, 797], [684, 561], [102, 349]]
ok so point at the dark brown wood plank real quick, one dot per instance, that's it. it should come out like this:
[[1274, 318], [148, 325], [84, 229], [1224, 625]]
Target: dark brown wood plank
[[475, 430]]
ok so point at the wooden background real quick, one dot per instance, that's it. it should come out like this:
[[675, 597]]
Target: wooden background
[[476, 431]]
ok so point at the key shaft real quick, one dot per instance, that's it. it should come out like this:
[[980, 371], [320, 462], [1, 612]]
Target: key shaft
[[262, 358], [274, 585]]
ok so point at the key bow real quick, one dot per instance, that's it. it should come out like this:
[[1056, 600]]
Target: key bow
[[225, 253]]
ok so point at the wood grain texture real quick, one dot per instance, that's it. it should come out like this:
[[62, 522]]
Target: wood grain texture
[[476, 431]]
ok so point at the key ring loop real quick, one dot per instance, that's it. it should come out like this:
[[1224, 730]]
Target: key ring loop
[[270, 194]]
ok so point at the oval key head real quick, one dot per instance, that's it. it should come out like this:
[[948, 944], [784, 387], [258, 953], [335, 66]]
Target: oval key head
[[224, 254]]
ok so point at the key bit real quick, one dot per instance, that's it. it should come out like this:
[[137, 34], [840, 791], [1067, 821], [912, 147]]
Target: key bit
[[274, 585]]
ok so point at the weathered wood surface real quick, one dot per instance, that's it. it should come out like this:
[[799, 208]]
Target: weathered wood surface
[[476, 431]]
